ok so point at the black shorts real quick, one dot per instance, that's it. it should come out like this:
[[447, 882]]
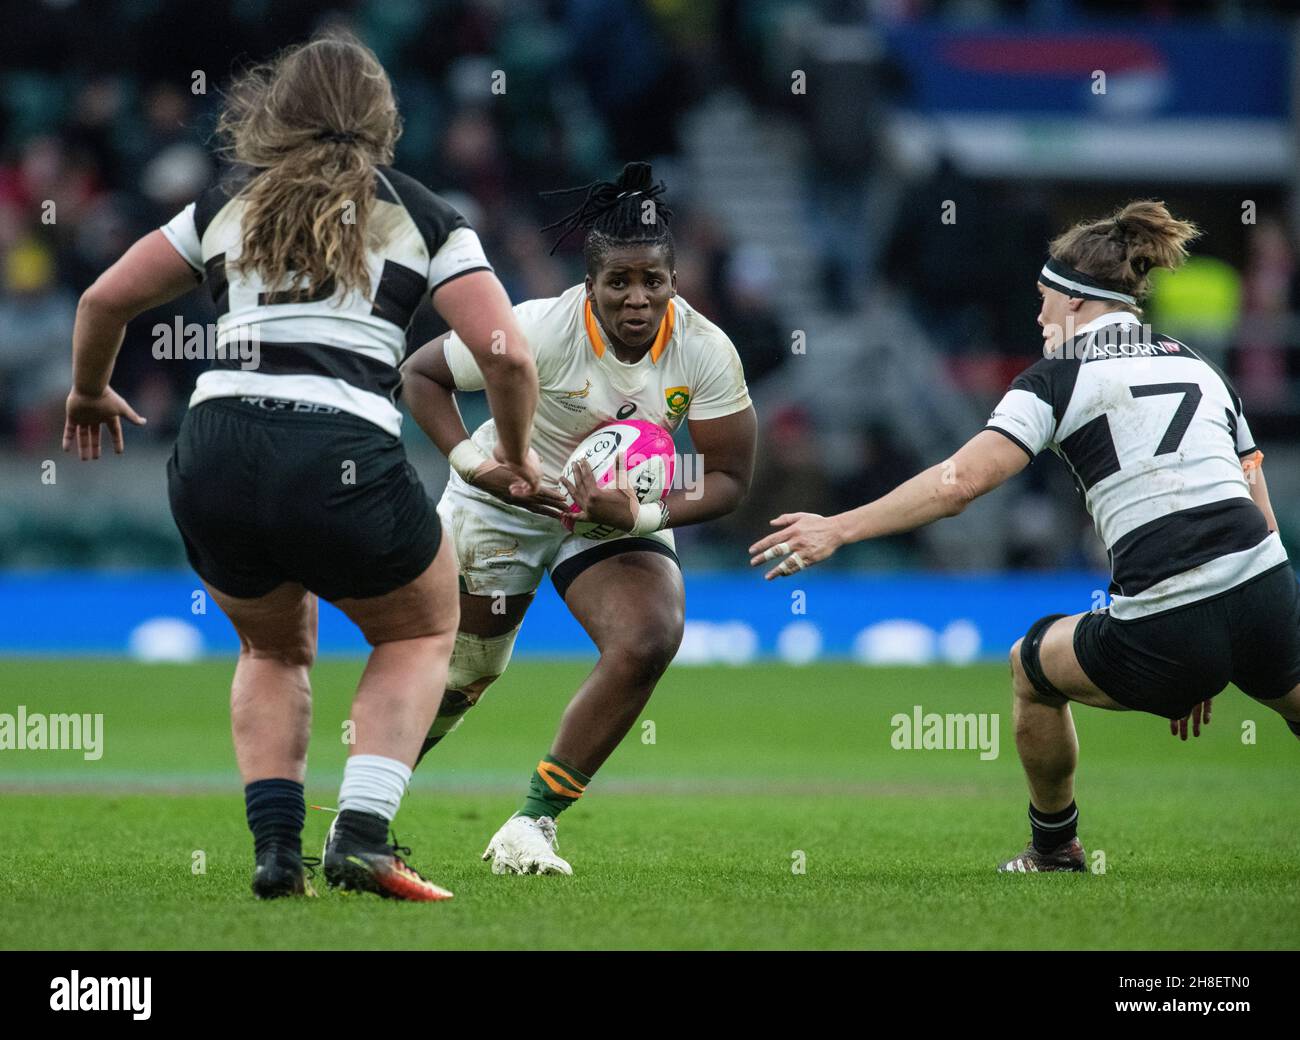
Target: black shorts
[[1167, 664], [323, 498]]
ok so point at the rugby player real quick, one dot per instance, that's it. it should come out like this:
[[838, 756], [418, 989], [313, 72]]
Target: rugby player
[[621, 345], [288, 480], [1202, 593]]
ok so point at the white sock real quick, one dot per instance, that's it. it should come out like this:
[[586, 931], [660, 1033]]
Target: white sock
[[373, 784]]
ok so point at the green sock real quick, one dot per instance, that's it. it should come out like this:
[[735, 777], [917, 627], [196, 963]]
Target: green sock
[[553, 788]]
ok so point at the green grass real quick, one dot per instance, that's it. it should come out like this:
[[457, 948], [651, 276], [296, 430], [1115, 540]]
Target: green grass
[[686, 842]]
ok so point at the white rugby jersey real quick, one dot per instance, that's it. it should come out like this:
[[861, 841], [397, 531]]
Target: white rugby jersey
[[328, 348], [1154, 435], [691, 369]]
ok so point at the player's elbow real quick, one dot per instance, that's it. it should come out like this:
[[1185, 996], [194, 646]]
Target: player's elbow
[[506, 359], [955, 494], [955, 501], [512, 370], [419, 378], [728, 491], [737, 491], [99, 301]]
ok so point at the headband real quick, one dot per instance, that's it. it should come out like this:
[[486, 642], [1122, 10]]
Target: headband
[[1064, 278]]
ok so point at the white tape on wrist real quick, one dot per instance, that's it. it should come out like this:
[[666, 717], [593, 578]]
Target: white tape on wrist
[[650, 518], [466, 458]]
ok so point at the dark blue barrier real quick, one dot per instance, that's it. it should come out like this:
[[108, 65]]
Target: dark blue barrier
[[732, 617], [1238, 71]]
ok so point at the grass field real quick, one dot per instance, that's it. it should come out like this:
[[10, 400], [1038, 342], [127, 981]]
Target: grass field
[[686, 842]]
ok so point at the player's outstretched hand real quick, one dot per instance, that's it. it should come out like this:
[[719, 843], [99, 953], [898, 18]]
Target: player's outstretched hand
[[614, 504], [805, 539], [508, 483], [1200, 714], [85, 416]]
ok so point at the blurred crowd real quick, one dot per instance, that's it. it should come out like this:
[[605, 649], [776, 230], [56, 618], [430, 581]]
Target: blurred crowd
[[91, 157], [1234, 298]]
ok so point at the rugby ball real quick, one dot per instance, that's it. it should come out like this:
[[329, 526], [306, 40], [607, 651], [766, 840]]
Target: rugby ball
[[648, 452]]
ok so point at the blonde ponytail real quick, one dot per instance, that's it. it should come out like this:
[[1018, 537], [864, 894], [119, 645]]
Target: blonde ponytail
[[315, 122]]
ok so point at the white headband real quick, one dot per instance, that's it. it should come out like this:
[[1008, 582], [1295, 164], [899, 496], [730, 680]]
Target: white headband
[[1061, 276]]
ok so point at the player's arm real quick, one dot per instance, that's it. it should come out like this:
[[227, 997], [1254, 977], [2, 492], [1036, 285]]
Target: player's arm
[[429, 389], [984, 462], [147, 275], [724, 449], [724, 431], [1252, 459], [478, 310], [1254, 468]]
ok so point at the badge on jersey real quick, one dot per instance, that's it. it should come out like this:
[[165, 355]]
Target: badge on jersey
[[677, 398], [574, 400]]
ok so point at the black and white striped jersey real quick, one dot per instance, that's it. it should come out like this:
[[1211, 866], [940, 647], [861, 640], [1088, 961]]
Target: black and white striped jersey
[[1154, 436], [331, 348]]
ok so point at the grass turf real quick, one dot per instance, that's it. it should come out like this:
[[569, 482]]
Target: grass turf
[[686, 841]]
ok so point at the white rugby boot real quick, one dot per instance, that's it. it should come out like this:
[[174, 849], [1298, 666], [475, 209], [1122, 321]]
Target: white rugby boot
[[525, 845]]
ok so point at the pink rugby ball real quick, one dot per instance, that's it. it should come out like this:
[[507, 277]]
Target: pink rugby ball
[[650, 456]]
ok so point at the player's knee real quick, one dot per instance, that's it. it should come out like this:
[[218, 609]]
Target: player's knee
[[297, 654], [476, 663], [1029, 681], [648, 657], [1021, 687], [420, 655], [444, 643], [1016, 668]]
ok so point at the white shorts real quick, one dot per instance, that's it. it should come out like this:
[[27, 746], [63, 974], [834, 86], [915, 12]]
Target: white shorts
[[505, 549]]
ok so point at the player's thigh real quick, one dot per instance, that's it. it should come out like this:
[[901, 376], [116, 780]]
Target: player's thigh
[[426, 606], [1060, 664], [1288, 706], [1264, 616], [1164, 664], [491, 616], [281, 624], [631, 601], [501, 555]]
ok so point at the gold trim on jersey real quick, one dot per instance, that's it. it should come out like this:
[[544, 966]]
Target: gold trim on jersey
[[656, 348]]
